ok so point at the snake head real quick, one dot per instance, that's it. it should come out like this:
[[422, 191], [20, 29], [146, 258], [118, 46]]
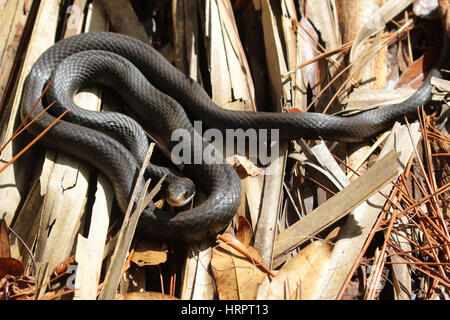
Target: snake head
[[180, 192]]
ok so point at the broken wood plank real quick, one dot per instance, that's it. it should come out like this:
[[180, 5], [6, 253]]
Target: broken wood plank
[[12, 178], [13, 16], [89, 251], [197, 281], [65, 193], [126, 233], [339, 205], [273, 184], [232, 88], [355, 231], [41, 38], [64, 186], [124, 19]]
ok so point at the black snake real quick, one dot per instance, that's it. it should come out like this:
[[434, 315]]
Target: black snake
[[162, 97]]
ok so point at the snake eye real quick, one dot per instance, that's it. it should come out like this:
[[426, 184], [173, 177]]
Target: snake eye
[[180, 192]]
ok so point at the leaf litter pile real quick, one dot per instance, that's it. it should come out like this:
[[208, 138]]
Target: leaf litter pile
[[331, 220]]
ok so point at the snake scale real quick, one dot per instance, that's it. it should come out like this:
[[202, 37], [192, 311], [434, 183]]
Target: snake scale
[[163, 98]]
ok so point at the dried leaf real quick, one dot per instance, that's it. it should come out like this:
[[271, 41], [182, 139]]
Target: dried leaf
[[300, 277], [359, 65], [251, 252], [322, 14], [4, 240], [10, 266], [417, 71], [320, 159], [313, 72], [357, 228], [244, 232], [365, 99], [375, 23], [62, 267], [13, 288], [323, 18], [148, 253], [339, 205], [237, 277]]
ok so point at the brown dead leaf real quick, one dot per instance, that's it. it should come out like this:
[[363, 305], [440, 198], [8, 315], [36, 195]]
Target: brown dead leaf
[[4, 240], [63, 266], [416, 73], [313, 72], [353, 291], [8, 265], [244, 231], [17, 288], [246, 250], [299, 278], [237, 277], [149, 253], [148, 295], [159, 203]]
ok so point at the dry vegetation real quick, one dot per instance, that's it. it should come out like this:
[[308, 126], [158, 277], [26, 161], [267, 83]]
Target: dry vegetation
[[336, 221]]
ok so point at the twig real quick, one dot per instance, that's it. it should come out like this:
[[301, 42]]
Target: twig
[[26, 248], [256, 262]]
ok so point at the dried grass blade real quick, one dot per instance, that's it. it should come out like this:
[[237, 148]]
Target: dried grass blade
[[36, 139], [126, 233], [22, 128]]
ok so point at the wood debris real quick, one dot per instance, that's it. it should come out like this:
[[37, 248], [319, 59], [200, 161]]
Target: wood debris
[[325, 220]]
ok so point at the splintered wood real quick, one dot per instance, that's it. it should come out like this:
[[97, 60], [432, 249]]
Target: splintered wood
[[339, 205], [324, 220]]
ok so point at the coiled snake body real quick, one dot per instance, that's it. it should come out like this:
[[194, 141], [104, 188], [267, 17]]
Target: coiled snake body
[[158, 94]]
